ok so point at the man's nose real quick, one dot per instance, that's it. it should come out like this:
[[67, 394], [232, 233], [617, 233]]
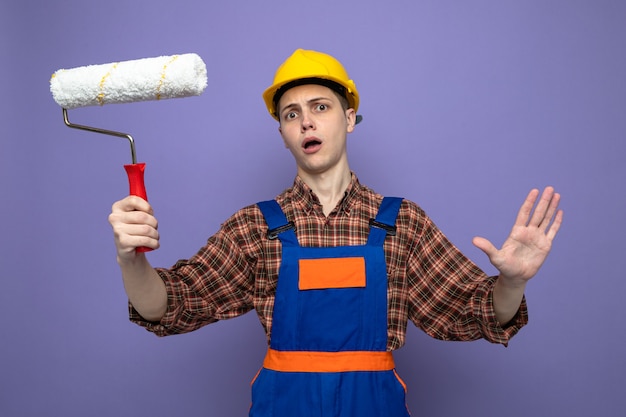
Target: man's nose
[[307, 121]]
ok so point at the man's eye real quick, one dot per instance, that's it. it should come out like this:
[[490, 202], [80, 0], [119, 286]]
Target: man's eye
[[322, 107], [291, 115]]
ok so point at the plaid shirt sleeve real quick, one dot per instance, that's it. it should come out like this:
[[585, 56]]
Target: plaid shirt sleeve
[[450, 298], [215, 284]]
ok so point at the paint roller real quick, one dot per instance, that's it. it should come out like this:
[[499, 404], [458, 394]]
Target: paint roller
[[137, 80]]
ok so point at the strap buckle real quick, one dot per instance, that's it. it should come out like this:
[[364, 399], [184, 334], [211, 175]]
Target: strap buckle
[[273, 233], [391, 230]]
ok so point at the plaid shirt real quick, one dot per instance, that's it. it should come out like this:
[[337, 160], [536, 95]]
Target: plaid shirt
[[430, 281]]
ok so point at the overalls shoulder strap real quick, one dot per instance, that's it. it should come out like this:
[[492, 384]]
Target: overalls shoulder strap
[[278, 225], [385, 222]]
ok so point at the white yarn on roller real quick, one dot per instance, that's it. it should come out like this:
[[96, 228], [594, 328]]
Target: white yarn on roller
[[130, 81]]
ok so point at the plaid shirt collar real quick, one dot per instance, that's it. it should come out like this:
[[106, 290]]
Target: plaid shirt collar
[[305, 199]]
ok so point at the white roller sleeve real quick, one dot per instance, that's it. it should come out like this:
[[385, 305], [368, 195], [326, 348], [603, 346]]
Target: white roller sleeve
[[130, 81]]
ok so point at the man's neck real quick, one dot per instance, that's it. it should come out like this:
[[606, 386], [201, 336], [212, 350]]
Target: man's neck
[[329, 187]]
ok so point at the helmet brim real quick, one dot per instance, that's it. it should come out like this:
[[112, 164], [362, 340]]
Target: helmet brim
[[348, 91]]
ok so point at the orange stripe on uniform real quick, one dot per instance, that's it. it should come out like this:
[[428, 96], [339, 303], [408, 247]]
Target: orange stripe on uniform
[[305, 361], [331, 273]]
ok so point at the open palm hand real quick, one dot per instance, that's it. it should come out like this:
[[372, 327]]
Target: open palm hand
[[530, 240]]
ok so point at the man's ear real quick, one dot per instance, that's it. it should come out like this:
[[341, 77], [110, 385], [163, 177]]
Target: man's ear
[[351, 118]]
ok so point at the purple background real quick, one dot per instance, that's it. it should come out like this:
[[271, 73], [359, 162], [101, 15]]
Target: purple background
[[467, 105]]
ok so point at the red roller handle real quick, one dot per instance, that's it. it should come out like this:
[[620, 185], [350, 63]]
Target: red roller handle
[[137, 187]]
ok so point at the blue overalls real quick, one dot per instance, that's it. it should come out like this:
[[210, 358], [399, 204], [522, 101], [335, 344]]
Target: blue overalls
[[328, 350]]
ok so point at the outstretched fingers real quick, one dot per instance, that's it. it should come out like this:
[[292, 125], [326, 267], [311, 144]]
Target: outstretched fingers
[[551, 210], [541, 210], [556, 224], [525, 212], [546, 216]]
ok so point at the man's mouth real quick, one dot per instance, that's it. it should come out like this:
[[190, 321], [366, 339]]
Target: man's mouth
[[311, 144]]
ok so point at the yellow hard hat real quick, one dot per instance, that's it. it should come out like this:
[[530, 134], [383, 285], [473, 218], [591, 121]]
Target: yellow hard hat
[[310, 67]]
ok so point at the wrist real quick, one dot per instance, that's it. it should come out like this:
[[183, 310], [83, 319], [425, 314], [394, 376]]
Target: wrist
[[131, 260], [509, 283]]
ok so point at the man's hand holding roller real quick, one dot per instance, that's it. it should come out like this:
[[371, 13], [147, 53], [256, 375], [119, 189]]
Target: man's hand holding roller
[[134, 225]]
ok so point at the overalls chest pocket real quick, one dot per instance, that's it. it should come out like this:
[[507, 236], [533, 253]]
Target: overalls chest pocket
[[331, 301], [321, 274]]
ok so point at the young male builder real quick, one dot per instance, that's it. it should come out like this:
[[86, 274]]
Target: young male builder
[[333, 270]]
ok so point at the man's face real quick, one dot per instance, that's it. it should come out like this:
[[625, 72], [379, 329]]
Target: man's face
[[314, 126]]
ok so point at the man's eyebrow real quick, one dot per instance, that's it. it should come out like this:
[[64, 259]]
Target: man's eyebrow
[[287, 107], [309, 101], [318, 99]]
